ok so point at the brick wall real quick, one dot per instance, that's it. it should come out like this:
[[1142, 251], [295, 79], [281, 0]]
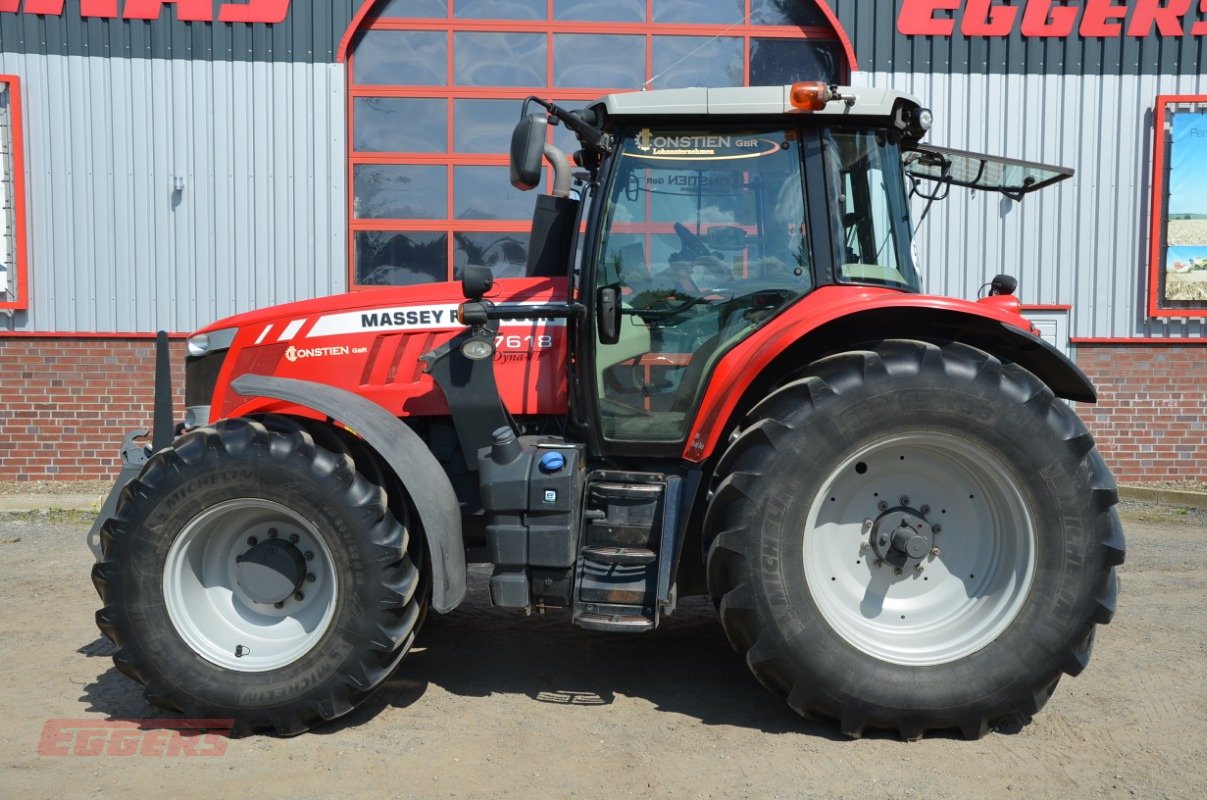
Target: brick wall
[[1151, 418], [66, 404]]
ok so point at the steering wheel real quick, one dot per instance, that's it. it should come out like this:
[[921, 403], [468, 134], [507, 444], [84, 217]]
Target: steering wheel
[[693, 246]]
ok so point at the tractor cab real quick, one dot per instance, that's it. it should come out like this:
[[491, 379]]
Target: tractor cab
[[713, 210], [710, 211]]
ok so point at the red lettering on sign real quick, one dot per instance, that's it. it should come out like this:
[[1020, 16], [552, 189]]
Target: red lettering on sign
[[1042, 19], [1167, 16], [918, 17], [186, 10], [99, 8], [983, 18], [1098, 14], [50, 7], [267, 11]]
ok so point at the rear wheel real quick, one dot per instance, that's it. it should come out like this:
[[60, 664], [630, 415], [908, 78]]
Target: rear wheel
[[913, 538], [254, 575]]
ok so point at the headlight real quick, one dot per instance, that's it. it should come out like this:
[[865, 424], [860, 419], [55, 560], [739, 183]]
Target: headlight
[[204, 343], [199, 345]]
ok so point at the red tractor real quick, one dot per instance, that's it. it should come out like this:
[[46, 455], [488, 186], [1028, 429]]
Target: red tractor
[[718, 376]]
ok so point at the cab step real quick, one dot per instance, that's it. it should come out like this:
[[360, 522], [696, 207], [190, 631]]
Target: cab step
[[624, 569]]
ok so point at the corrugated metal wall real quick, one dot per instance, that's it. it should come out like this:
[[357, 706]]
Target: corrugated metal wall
[[260, 147], [1083, 243]]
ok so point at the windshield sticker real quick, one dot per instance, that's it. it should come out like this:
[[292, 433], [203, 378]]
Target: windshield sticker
[[702, 146]]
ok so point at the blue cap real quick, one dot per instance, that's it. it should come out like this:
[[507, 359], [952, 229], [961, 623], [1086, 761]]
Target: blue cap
[[552, 462]]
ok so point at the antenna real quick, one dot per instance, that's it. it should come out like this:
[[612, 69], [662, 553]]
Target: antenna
[[742, 21]]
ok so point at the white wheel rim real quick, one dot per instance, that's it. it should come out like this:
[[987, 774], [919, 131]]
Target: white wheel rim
[[962, 598], [213, 613]]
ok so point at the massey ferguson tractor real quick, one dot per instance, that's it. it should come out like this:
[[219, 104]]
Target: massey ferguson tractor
[[718, 375]]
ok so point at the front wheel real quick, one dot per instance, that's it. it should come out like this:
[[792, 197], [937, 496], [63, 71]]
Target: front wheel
[[913, 538], [253, 574]]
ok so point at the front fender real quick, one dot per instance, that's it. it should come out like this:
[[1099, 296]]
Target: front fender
[[401, 448], [835, 319]]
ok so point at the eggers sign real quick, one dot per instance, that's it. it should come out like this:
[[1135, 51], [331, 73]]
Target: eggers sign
[[1053, 18], [269, 12]]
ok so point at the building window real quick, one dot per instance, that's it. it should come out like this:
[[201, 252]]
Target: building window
[[436, 88], [14, 289]]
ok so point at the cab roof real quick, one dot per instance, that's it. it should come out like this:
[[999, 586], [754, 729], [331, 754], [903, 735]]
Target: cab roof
[[863, 102]]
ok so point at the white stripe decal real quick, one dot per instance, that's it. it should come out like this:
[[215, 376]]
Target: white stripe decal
[[291, 330], [263, 334]]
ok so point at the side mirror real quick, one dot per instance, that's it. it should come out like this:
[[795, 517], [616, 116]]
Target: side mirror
[[527, 149], [476, 281], [607, 314]]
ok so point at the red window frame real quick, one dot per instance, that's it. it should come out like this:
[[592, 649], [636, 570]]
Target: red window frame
[[450, 159], [1161, 155], [17, 124]]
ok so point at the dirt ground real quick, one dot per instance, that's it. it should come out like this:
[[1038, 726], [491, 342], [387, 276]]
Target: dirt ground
[[492, 704]]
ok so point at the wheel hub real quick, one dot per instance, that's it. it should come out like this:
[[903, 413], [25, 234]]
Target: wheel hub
[[902, 537], [271, 571]]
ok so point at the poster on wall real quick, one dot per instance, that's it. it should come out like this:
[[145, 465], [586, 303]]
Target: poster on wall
[[1179, 280], [7, 250]]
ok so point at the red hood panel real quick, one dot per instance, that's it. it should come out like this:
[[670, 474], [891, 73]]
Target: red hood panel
[[369, 343]]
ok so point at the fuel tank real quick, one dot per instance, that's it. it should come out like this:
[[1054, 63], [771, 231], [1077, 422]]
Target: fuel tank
[[370, 343]]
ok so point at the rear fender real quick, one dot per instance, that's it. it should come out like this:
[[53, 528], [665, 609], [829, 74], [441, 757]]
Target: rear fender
[[838, 319], [405, 453]]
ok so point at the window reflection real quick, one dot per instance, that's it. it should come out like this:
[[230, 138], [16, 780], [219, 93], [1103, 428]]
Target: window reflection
[[505, 253], [389, 191], [775, 62], [399, 125], [684, 61], [415, 8], [391, 258], [596, 11], [501, 9], [410, 58], [484, 126], [499, 59], [487, 193], [582, 60], [787, 12], [693, 12]]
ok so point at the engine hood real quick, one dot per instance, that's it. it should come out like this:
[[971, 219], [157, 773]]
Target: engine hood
[[511, 290]]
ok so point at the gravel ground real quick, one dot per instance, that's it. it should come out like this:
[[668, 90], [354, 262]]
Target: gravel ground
[[493, 704]]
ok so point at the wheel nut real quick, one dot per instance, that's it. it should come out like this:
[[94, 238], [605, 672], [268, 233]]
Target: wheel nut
[[299, 596], [251, 540], [878, 564], [864, 547], [934, 551], [272, 533], [310, 577], [309, 555], [905, 499], [279, 605], [937, 528], [293, 537], [925, 509], [918, 569], [883, 506], [897, 572]]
